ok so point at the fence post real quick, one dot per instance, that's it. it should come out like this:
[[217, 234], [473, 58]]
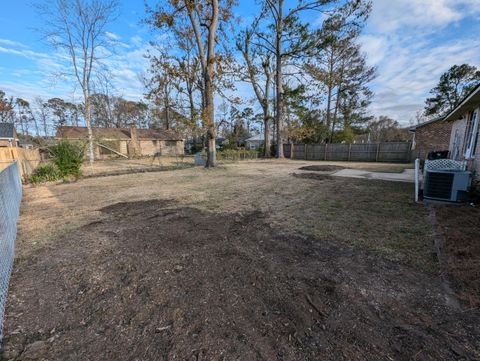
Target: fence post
[[349, 150], [292, 152], [417, 178], [378, 151], [305, 151], [326, 146]]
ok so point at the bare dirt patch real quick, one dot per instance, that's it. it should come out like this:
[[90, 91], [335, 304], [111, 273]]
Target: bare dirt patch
[[154, 280], [317, 176], [460, 227], [322, 168]]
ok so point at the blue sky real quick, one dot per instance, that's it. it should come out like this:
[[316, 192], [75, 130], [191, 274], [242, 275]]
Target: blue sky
[[412, 42]]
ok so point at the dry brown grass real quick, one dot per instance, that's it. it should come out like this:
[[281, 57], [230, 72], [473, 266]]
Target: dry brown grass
[[121, 164], [378, 215]]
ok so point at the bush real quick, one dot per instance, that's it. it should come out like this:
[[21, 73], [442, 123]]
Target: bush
[[68, 158], [233, 154], [44, 173]]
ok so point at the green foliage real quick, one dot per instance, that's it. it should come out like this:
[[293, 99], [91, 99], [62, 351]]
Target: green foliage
[[233, 154], [230, 143], [346, 135], [68, 158], [44, 173], [453, 86]]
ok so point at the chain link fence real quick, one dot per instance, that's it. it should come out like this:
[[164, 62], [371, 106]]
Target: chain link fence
[[10, 197]]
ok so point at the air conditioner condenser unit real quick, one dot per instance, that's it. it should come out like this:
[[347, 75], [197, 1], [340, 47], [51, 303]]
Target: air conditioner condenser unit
[[445, 180]]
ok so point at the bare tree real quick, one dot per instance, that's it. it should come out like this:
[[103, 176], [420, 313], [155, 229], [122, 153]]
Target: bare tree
[[164, 84], [42, 114], [259, 73], [78, 27], [204, 18], [292, 40], [7, 113]]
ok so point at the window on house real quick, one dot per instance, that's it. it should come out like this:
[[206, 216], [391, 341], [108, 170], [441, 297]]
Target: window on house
[[170, 143], [471, 136]]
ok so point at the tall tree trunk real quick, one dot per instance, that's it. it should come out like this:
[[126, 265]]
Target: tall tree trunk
[[335, 112], [266, 133], [209, 118], [191, 104], [209, 87], [35, 123], [329, 94], [88, 121], [44, 121], [279, 80]]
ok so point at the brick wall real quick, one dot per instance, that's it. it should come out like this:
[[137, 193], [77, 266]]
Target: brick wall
[[432, 137], [150, 147]]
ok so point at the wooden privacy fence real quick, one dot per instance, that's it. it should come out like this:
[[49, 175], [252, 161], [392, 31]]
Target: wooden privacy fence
[[366, 152], [28, 159]]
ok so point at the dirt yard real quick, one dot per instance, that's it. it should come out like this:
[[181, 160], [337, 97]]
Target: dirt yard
[[460, 228], [250, 261]]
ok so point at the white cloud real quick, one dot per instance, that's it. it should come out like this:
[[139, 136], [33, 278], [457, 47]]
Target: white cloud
[[412, 42], [407, 73], [388, 15], [12, 43], [112, 36], [23, 53], [50, 74]]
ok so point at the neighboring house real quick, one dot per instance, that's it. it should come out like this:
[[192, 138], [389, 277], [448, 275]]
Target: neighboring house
[[255, 142], [464, 142], [433, 135], [131, 141], [8, 135], [362, 139], [220, 142], [26, 144]]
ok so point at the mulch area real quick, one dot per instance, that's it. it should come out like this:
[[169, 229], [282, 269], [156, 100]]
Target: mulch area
[[459, 225], [155, 281]]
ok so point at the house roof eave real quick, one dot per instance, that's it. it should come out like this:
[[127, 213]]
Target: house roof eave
[[414, 128], [470, 102]]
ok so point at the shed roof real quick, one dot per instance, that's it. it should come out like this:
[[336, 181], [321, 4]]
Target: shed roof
[[470, 102], [68, 132], [7, 130]]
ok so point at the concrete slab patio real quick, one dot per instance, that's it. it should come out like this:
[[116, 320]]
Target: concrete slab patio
[[408, 175]]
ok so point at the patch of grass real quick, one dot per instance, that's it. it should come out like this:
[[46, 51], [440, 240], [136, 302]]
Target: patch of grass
[[44, 173]]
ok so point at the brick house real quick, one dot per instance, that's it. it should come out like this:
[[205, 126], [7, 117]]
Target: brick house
[[130, 142], [464, 138], [433, 135], [8, 135]]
